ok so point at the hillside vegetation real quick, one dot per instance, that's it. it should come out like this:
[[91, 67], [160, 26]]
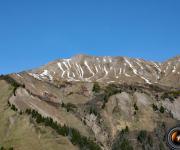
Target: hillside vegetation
[[21, 132]]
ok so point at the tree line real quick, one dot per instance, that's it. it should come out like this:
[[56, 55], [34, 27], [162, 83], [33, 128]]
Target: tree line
[[74, 135]]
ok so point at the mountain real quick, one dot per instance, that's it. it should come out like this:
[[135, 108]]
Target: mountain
[[111, 70], [91, 103]]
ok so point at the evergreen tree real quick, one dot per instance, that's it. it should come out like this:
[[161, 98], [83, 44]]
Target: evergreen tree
[[96, 88]]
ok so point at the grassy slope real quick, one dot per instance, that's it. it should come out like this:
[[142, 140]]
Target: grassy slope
[[21, 133]]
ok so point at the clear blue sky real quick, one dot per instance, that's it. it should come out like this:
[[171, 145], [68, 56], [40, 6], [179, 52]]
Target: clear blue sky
[[35, 32]]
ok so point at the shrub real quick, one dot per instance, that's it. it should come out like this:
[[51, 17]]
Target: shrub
[[161, 146], [110, 90], [20, 112], [122, 142], [126, 130], [135, 106], [13, 107], [125, 145], [93, 110], [155, 108], [2, 148], [162, 109], [142, 136], [96, 88], [170, 95], [62, 105], [9, 103], [28, 111], [103, 106], [69, 107], [150, 140]]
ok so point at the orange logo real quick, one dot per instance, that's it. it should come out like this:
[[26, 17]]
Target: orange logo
[[173, 138]]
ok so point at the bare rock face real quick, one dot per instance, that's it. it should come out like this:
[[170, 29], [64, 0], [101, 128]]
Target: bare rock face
[[91, 121], [111, 70], [173, 108]]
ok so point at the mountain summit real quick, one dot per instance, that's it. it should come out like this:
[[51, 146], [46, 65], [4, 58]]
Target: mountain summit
[[111, 70]]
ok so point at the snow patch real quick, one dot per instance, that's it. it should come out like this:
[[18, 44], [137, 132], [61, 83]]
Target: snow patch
[[104, 59], [36, 76], [46, 73], [110, 60]]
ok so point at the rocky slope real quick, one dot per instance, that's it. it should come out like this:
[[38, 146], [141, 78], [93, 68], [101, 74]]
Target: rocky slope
[[111, 101]]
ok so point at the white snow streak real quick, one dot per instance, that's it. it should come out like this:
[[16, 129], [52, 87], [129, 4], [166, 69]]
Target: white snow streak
[[135, 71], [96, 69], [82, 72], [63, 71], [110, 81], [139, 63], [19, 75], [77, 70], [115, 72], [146, 80], [106, 72], [131, 66], [174, 69], [158, 68], [66, 65], [124, 68], [86, 64], [68, 60], [167, 67], [120, 70], [127, 75], [99, 67]]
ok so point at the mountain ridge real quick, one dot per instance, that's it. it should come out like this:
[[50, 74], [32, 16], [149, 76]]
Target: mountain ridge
[[110, 69]]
